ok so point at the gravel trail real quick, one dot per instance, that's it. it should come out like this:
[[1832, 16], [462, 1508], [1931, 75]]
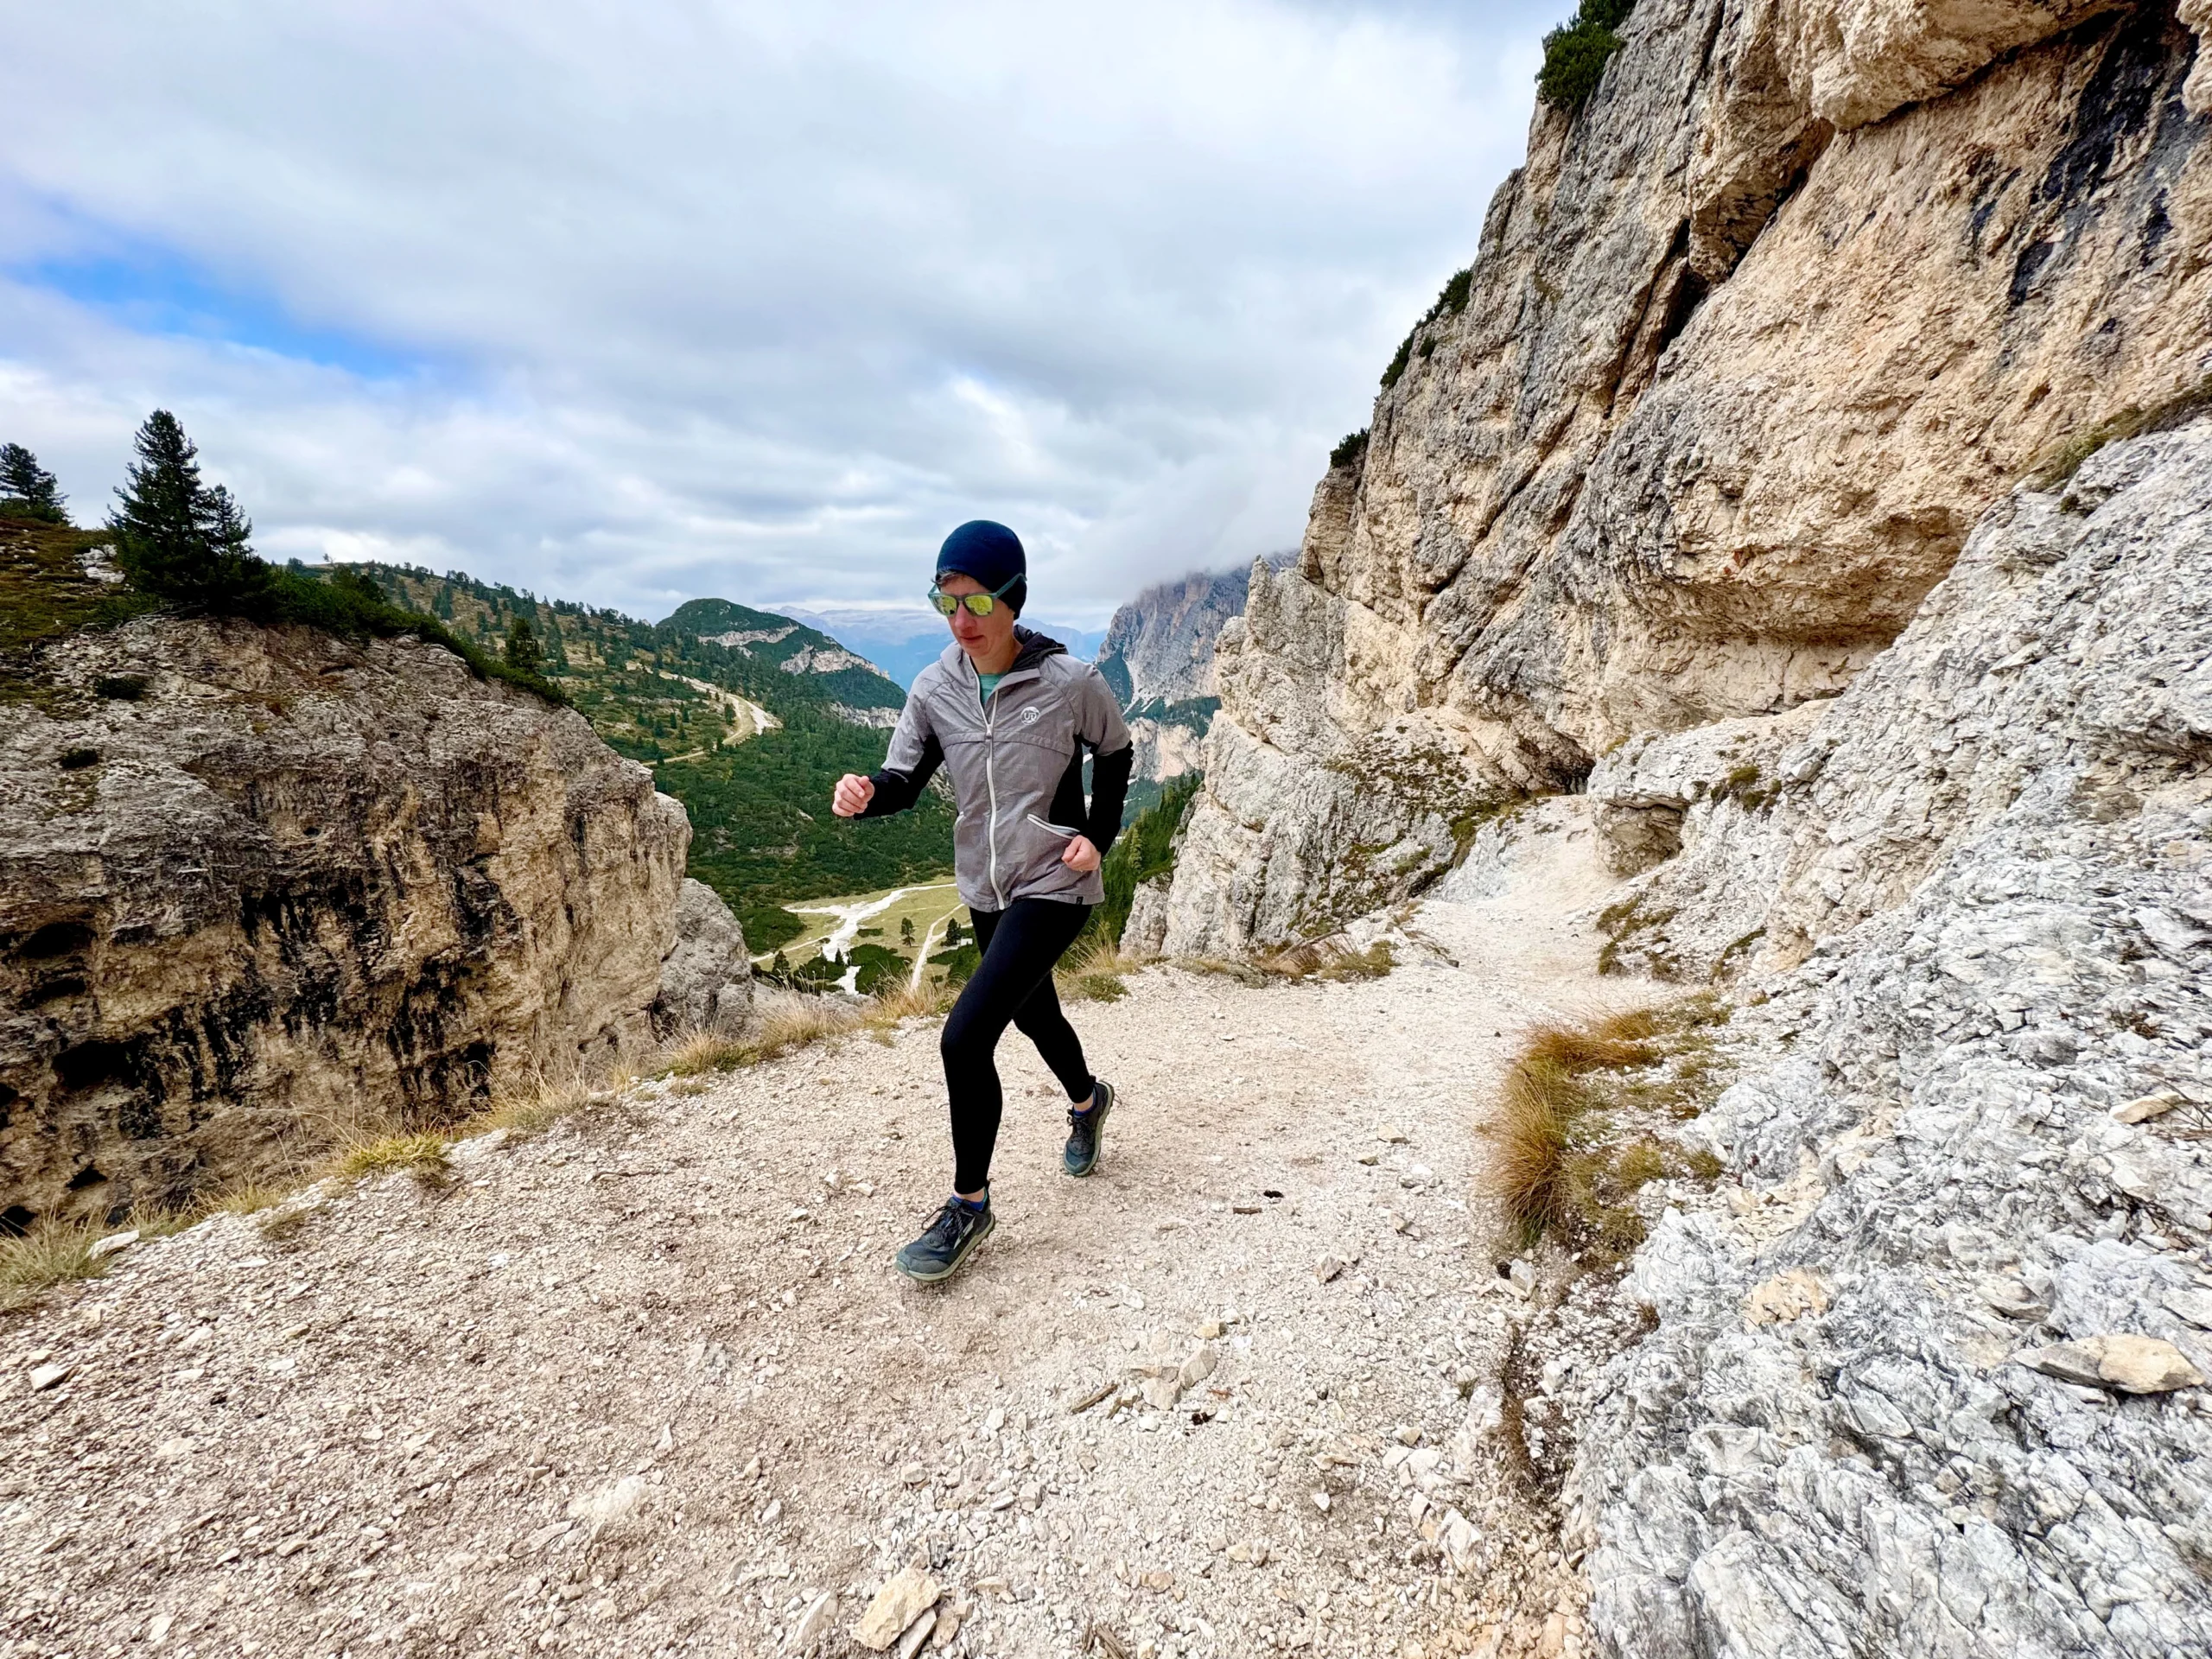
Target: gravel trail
[[647, 1384]]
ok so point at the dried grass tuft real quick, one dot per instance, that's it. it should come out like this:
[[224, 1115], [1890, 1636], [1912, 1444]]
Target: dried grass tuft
[[421, 1154], [708, 1051], [162, 1224], [1094, 974], [248, 1198], [1614, 1043], [928, 999], [1554, 1166], [794, 1022], [535, 1108], [52, 1253], [1538, 1111], [1331, 959]]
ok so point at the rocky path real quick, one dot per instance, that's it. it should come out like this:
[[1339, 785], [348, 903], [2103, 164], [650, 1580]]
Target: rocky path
[[646, 1384]]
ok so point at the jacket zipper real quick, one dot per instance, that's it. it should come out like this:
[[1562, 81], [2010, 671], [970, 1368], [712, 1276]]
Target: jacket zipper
[[991, 781]]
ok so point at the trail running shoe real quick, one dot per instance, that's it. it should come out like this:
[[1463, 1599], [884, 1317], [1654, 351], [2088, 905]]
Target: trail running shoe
[[946, 1243], [1081, 1155]]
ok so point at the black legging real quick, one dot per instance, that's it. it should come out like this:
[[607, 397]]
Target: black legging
[[1013, 982]]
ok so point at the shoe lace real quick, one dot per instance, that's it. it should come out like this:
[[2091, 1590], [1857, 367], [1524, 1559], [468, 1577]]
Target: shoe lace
[[951, 1222]]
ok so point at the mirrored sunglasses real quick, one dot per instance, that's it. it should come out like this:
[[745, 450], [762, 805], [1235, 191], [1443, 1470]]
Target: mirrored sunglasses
[[977, 604]]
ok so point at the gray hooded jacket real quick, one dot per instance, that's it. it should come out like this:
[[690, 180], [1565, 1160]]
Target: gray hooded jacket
[[1017, 770]]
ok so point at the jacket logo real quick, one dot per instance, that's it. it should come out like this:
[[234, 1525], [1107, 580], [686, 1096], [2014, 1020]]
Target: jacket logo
[[1030, 716]]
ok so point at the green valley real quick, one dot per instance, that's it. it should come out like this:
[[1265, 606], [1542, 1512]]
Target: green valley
[[746, 717]]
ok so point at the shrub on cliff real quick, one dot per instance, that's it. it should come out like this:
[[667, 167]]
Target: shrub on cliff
[[27, 489], [1575, 54], [1351, 450], [186, 542], [1449, 303], [351, 603], [523, 653], [176, 538]]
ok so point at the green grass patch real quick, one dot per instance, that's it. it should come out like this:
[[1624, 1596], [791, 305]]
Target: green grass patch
[[421, 1154], [46, 597]]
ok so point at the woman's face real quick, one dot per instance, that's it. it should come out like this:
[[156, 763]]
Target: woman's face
[[983, 637]]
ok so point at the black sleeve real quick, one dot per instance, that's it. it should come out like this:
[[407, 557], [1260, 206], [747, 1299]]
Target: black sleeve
[[1109, 789], [897, 790]]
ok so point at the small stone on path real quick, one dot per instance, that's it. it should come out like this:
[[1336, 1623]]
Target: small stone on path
[[908, 1595], [2144, 1109], [917, 1635], [814, 1624]]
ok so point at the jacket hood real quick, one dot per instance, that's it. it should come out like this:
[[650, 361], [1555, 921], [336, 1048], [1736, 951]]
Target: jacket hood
[[1035, 648]]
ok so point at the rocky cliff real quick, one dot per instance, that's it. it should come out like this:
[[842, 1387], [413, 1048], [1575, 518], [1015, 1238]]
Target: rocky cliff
[[1750, 343], [1814, 466], [1980, 1165], [1159, 659], [261, 887]]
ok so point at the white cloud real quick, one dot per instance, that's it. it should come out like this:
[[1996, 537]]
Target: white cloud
[[635, 304]]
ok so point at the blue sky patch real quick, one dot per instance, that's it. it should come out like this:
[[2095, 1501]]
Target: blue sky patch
[[154, 291]]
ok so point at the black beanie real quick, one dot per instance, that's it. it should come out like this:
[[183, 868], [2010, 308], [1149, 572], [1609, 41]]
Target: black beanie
[[992, 554]]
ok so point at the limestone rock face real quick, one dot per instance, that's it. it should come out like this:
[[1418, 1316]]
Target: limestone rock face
[[1750, 344], [295, 885], [1167, 748], [1158, 658], [2010, 683], [1160, 644], [706, 980], [1987, 867]]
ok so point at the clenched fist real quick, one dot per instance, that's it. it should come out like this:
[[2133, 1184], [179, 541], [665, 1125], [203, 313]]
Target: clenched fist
[[850, 799], [1081, 856]]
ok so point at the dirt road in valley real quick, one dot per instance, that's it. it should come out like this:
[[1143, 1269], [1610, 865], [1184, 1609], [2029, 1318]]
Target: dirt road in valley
[[647, 1384]]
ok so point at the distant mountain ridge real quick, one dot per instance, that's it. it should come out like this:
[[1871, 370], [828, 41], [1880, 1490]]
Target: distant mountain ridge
[[1158, 654], [903, 642]]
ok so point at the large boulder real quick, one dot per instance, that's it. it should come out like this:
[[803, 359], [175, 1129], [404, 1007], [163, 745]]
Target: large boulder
[[706, 979]]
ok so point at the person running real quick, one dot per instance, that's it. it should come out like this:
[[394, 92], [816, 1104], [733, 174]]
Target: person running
[[1011, 713]]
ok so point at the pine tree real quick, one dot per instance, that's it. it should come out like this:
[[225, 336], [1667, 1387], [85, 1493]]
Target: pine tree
[[523, 653], [175, 536], [27, 489], [905, 930]]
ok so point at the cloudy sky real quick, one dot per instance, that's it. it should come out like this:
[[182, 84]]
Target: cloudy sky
[[634, 302]]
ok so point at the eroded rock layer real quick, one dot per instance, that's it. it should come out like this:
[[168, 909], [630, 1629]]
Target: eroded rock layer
[[1934, 1384], [260, 886], [1750, 344]]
